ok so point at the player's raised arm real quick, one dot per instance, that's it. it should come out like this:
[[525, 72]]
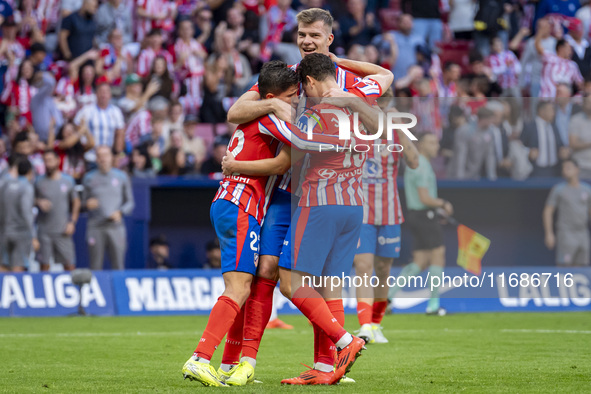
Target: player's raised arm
[[382, 76], [250, 106]]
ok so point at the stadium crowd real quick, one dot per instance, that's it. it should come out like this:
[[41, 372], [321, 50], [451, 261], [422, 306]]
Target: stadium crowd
[[154, 79]]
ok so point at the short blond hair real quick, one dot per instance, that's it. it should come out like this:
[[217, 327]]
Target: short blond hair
[[312, 15]]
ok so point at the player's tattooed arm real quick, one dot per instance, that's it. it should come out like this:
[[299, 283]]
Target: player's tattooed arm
[[382, 76], [250, 107], [277, 165]]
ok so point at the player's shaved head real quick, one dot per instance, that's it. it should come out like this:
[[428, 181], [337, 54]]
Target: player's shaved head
[[317, 66], [276, 77]]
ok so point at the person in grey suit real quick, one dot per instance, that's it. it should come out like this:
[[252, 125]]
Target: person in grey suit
[[475, 150], [108, 197], [546, 148]]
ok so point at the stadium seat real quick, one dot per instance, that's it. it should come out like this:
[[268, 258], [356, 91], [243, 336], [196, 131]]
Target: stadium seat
[[456, 51]]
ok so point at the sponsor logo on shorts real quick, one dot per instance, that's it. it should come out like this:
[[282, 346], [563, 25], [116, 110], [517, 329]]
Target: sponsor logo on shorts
[[383, 240]]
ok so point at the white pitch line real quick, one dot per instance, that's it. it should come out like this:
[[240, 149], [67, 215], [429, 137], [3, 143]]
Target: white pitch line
[[180, 333], [99, 334], [528, 331]]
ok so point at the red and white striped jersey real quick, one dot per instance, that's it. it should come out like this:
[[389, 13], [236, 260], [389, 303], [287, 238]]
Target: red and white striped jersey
[[110, 56], [48, 11], [347, 81], [155, 8], [556, 70], [332, 178], [251, 193], [19, 94], [506, 67], [139, 125], [146, 58], [193, 64], [382, 203]]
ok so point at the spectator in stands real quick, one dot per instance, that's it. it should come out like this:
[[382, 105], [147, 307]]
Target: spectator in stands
[[11, 49], [238, 65], [155, 136], [406, 42], [556, 68], [174, 162], [213, 255], [154, 14], [140, 165], [475, 151], [192, 143], [531, 60], [16, 204], [111, 15], [70, 144], [458, 127], [175, 120], [580, 138], [136, 96], [581, 50], [153, 49], [160, 74], [565, 108], [105, 121], [159, 253], [18, 93], [213, 165], [108, 197], [39, 57], [278, 19], [541, 136], [461, 19], [204, 28], [114, 60], [59, 206], [248, 38], [561, 7], [500, 138], [6, 11], [68, 7], [216, 87], [572, 200], [358, 26], [190, 57], [584, 15], [43, 108], [427, 19], [505, 67], [489, 22], [78, 31]]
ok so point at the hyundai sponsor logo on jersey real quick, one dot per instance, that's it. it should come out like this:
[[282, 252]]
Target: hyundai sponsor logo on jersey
[[53, 294]]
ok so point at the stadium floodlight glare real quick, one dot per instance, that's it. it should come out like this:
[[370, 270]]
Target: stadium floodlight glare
[[81, 277]]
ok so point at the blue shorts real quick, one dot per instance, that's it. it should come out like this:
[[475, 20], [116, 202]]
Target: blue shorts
[[383, 241], [276, 223], [322, 241], [239, 235]]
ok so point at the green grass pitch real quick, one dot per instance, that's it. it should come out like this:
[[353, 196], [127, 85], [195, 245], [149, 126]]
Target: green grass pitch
[[510, 352]]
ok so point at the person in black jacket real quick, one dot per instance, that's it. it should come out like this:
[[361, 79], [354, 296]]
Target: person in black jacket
[[580, 46], [489, 22], [427, 19]]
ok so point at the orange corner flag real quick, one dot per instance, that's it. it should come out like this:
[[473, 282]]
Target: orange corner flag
[[471, 249]]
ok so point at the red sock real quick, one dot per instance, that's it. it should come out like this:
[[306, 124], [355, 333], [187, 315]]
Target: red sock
[[317, 332], [364, 311], [258, 311], [378, 311], [221, 318], [311, 304], [327, 350], [233, 346]]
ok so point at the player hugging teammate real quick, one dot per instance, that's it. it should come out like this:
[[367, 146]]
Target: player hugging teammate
[[321, 239]]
